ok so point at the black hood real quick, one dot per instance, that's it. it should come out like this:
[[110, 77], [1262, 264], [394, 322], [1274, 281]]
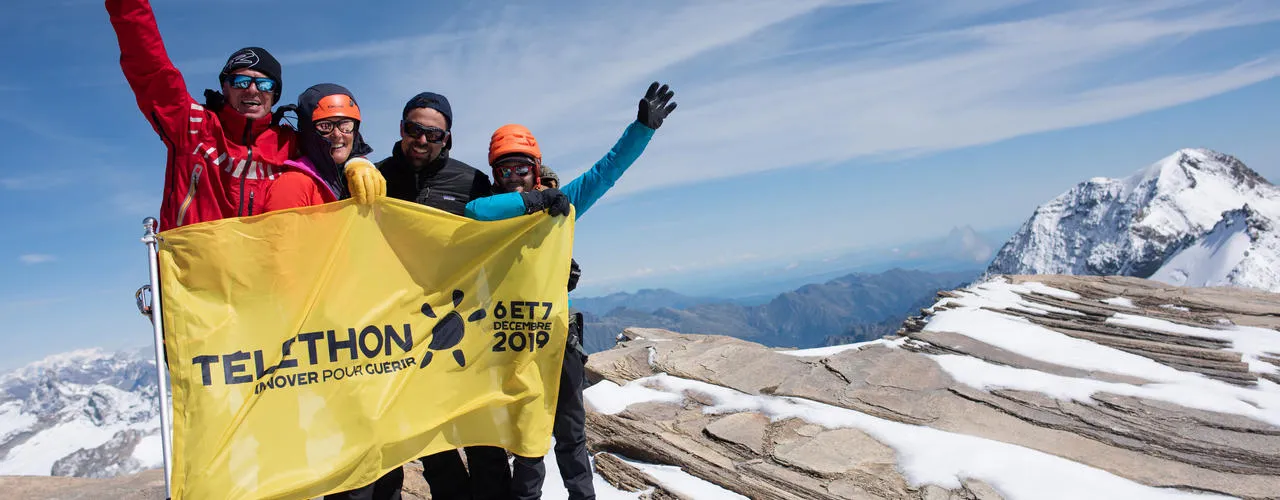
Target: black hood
[[315, 147]]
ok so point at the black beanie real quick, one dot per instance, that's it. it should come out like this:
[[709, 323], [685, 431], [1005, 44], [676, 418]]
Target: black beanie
[[430, 100], [258, 59]]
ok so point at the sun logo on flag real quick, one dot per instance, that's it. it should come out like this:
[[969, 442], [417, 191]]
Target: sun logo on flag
[[448, 332]]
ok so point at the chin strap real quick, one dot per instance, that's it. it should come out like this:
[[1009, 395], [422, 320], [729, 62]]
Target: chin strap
[[277, 117]]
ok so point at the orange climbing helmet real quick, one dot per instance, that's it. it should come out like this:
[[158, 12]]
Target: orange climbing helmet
[[336, 105], [513, 138]]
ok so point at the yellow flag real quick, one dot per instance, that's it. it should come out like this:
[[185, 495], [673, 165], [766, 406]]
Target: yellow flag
[[313, 350]]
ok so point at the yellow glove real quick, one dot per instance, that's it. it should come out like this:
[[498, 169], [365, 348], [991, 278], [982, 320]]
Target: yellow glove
[[364, 181]]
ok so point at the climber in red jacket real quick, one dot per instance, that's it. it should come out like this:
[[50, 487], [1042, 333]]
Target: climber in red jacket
[[223, 154]]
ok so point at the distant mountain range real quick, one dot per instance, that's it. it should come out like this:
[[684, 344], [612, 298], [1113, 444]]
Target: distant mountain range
[[851, 308], [84, 413], [1194, 218], [646, 300], [960, 249]]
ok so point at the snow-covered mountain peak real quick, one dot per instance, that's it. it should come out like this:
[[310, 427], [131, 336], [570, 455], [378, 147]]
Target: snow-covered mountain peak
[[77, 364], [1135, 225], [1189, 190], [58, 413], [1181, 169]]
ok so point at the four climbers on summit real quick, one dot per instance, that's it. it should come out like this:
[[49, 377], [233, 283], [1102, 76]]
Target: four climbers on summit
[[230, 156]]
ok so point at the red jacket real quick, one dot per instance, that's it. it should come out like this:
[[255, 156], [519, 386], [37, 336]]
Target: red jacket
[[298, 186], [220, 163]]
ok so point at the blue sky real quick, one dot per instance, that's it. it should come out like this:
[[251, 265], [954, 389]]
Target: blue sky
[[805, 127]]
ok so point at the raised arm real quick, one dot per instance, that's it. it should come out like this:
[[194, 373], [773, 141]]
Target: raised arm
[[158, 86], [585, 190]]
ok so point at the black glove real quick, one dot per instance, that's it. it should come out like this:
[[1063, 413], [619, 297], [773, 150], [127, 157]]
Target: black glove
[[550, 199], [654, 106], [575, 272]]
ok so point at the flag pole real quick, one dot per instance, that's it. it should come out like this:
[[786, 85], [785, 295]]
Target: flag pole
[[157, 326]]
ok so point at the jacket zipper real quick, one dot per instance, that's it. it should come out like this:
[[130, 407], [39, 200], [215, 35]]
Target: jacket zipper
[[417, 181], [248, 129], [251, 193], [191, 194]]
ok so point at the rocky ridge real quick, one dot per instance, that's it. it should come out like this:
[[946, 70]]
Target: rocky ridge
[[1145, 446]]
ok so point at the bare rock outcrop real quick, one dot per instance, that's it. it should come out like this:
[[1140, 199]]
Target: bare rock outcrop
[[1151, 440]]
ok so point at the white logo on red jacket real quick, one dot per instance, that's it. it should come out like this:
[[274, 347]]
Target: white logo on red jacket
[[237, 167]]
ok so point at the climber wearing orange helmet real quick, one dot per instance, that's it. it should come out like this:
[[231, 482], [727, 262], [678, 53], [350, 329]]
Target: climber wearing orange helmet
[[516, 160], [514, 145], [329, 136], [517, 166]]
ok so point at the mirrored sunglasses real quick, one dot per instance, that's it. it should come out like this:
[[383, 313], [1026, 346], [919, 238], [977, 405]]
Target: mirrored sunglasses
[[243, 81], [325, 127], [412, 129], [519, 170]]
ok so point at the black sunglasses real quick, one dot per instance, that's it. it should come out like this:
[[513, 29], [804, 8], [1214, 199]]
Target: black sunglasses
[[413, 129], [243, 81]]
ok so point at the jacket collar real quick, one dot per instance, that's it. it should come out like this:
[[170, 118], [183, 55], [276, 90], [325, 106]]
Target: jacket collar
[[305, 166], [431, 168], [240, 129]]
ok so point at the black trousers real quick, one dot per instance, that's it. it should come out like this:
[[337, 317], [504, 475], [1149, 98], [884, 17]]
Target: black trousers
[[386, 487], [570, 431], [489, 477]]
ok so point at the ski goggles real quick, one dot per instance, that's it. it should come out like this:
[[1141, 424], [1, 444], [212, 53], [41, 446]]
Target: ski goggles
[[325, 127], [517, 170], [243, 81], [414, 130]]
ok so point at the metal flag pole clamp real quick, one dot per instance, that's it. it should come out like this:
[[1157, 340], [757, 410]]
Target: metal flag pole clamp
[[153, 310]]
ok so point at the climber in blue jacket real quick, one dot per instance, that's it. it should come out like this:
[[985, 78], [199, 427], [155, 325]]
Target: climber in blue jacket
[[518, 174], [516, 160]]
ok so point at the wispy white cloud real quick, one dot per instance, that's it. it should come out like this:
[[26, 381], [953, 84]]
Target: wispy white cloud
[[766, 85], [35, 182], [526, 64], [131, 190], [127, 189], [990, 83], [36, 258], [46, 128], [762, 85], [716, 262], [134, 203]]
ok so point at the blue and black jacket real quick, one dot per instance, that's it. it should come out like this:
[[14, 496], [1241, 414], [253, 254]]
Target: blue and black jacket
[[585, 190]]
